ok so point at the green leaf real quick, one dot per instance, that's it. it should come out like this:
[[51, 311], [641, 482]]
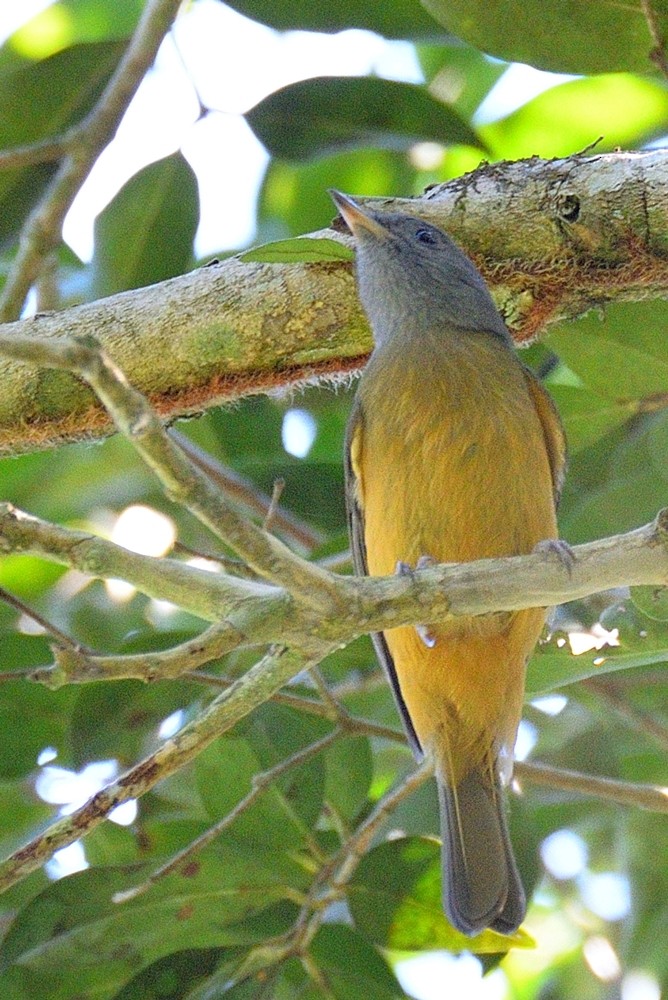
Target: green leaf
[[351, 967], [349, 773], [317, 116], [31, 718], [652, 601], [617, 483], [586, 415], [89, 946], [170, 978], [621, 109], [629, 339], [643, 642], [146, 233], [399, 19], [284, 811], [395, 899], [593, 37], [298, 250], [58, 92], [117, 720], [294, 196]]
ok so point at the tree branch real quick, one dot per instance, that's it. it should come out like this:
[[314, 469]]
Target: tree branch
[[41, 234], [254, 613], [624, 793], [255, 687], [552, 238], [260, 783], [182, 481]]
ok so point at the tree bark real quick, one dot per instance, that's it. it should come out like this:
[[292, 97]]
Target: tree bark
[[552, 238]]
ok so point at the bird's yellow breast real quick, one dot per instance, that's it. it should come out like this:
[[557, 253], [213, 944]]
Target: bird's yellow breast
[[451, 462]]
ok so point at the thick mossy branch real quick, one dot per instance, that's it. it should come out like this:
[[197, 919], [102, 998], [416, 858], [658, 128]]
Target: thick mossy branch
[[552, 238]]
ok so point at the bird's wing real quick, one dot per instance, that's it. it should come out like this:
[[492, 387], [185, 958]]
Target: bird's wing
[[354, 492], [555, 439]]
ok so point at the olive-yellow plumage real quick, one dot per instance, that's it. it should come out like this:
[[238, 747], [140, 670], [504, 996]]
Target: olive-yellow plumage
[[455, 453]]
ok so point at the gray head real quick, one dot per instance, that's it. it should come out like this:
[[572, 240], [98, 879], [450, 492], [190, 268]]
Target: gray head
[[411, 276]]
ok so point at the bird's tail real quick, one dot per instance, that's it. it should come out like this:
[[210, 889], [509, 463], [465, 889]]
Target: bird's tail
[[481, 884]]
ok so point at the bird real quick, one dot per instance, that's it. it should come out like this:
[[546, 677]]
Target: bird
[[454, 452]]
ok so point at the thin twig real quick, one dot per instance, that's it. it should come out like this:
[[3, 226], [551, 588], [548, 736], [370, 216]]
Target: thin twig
[[37, 152], [253, 689], [61, 638], [625, 793], [260, 783], [276, 493], [658, 52], [610, 692], [76, 666], [41, 232], [337, 710], [241, 489]]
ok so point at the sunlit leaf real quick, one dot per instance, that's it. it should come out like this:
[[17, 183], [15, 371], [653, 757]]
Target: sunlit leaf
[[619, 109], [298, 250], [556, 35], [395, 899], [146, 233]]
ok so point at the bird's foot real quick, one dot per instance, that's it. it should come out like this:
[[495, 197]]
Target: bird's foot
[[557, 547], [424, 633]]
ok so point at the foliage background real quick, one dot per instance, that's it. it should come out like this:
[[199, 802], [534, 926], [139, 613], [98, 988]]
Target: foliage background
[[609, 376]]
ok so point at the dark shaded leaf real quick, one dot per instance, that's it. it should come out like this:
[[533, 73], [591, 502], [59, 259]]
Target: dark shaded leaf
[[317, 116], [59, 91], [399, 19], [351, 966], [90, 946]]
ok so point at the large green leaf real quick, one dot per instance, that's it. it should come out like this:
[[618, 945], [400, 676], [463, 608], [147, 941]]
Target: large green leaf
[[593, 37], [395, 899], [317, 116], [586, 415], [399, 19], [72, 940], [146, 233], [629, 338], [287, 810], [351, 966], [619, 109]]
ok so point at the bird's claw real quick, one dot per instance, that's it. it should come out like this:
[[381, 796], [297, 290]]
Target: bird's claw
[[424, 633], [559, 548]]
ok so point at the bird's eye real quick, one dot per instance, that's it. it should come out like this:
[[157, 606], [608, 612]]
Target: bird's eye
[[425, 236]]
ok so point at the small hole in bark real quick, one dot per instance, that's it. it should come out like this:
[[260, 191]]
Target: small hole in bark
[[570, 208]]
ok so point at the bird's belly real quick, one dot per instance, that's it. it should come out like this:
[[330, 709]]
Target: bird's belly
[[459, 483]]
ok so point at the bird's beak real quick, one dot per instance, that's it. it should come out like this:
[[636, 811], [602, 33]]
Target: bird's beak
[[357, 218]]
